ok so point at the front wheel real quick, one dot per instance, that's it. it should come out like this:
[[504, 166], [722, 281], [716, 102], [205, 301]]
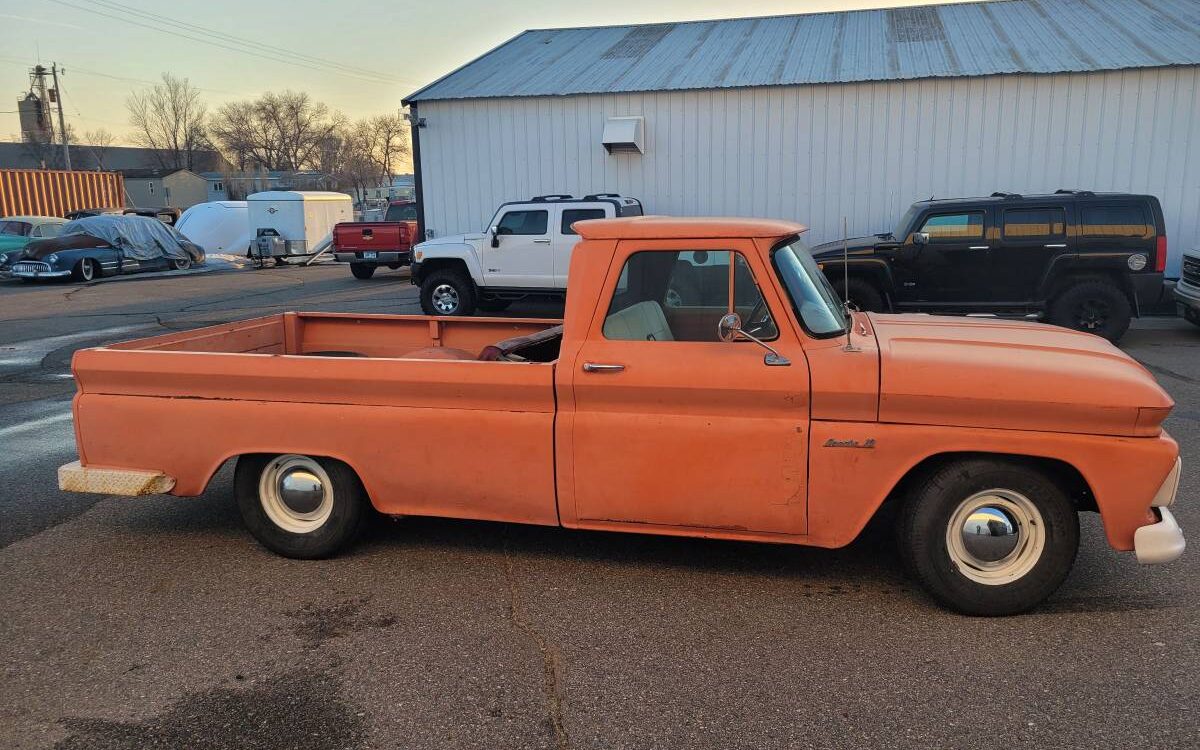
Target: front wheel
[[299, 506], [84, 270], [448, 292], [862, 294], [362, 270], [988, 537]]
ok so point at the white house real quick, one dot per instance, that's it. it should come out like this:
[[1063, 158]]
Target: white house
[[828, 115]]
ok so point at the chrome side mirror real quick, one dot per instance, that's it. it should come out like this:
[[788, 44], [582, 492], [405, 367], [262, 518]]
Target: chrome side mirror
[[920, 238], [495, 236], [729, 328]]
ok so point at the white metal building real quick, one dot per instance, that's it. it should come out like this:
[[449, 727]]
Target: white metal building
[[819, 116]]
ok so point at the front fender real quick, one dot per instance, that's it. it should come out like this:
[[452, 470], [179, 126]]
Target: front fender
[[466, 252]]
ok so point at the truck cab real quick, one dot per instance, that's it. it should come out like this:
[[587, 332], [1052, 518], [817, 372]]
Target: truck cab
[[1075, 258], [524, 250]]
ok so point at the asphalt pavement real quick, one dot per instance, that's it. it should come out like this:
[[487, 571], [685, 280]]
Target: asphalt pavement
[[159, 622]]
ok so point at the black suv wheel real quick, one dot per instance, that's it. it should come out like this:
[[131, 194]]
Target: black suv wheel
[[448, 292], [862, 294], [1094, 306]]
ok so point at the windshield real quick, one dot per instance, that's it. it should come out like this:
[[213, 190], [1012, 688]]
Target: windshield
[[18, 228], [817, 305], [901, 228]]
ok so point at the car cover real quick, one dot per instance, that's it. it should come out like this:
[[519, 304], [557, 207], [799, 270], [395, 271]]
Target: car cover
[[137, 237]]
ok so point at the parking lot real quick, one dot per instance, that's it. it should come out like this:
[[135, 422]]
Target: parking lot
[[159, 622]]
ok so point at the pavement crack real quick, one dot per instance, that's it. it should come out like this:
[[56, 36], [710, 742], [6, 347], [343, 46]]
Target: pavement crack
[[551, 667], [1166, 372]]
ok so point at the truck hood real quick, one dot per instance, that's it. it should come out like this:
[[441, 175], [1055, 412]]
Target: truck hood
[[452, 239], [854, 245], [978, 372]]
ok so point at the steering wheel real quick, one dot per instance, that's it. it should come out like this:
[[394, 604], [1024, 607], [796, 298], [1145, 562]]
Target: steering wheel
[[758, 318]]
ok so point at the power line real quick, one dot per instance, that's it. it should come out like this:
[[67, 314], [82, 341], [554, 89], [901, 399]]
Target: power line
[[219, 44], [196, 28]]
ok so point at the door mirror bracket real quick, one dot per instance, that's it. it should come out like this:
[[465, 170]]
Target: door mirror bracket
[[920, 238], [494, 231], [730, 329]]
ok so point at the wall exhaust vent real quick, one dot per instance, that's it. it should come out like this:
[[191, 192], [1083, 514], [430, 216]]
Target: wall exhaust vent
[[624, 135]]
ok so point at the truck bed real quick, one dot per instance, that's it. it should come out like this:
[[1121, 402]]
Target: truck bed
[[401, 399]]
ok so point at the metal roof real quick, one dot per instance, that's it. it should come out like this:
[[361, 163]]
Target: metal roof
[[932, 41]]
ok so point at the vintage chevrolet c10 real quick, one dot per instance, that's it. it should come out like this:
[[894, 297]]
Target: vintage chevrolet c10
[[705, 381]]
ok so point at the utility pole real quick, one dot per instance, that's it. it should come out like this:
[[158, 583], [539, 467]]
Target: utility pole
[[62, 126]]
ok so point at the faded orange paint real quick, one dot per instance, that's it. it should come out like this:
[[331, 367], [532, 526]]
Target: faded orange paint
[[56, 192], [691, 438]]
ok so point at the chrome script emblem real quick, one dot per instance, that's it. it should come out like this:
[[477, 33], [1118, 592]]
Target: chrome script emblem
[[832, 443]]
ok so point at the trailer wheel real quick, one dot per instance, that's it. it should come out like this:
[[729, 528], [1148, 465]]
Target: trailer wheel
[[448, 292], [299, 506]]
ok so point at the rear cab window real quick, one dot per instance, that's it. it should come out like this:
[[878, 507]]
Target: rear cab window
[[401, 213]]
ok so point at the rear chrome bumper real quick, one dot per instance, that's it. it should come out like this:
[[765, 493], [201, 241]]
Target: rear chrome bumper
[[1161, 542], [381, 258], [74, 477]]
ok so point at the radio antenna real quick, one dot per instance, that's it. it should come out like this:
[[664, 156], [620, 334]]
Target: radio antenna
[[849, 347]]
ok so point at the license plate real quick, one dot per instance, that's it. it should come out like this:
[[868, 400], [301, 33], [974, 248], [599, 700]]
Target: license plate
[[370, 255]]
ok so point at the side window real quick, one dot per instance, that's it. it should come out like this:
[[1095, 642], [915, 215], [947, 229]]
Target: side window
[[1020, 223], [523, 222], [962, 226], [681, 295], [1114, 220], [572, 215]]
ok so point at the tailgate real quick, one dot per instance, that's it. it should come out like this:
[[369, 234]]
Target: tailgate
[[359, 236]]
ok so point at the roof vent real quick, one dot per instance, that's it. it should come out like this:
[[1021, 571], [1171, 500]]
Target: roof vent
[[624, 135]]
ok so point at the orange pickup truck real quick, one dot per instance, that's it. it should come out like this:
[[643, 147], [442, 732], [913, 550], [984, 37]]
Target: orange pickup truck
[[755, 408]]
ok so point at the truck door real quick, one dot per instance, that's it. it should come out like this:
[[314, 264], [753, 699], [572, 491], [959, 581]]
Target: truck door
[[1028, 239], [566, 238], [952, 266], [672, 427], [522, 256]]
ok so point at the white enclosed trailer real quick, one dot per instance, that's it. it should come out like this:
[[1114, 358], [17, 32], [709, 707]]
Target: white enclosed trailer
[[220, 227], [294, 223]]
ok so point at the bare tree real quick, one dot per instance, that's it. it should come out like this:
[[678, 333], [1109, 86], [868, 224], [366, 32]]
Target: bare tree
[[98, 143], [171, 119], [284, 131]]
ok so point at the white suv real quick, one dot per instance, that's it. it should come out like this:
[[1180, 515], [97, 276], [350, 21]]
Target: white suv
[[525, 250]]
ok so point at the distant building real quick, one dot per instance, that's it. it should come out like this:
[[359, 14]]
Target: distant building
[[109, 158], [230, 185], [816, 117], [178, 188]]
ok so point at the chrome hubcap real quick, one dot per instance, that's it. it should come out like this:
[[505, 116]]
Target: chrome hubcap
[[296, 493], [445, 299], [996, 536]]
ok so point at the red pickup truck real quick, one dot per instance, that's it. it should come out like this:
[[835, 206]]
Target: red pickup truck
[[367, 245]]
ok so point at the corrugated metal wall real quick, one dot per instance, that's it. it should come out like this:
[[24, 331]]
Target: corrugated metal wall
[[40, 192], [816, 153]]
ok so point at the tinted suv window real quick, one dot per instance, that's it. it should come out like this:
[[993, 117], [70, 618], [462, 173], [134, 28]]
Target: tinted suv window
[[964, 226], [1035, 222], [523, 222], [1114, 220], [570, 216]]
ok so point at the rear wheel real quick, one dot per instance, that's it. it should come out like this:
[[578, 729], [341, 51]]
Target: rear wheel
[[181, 264], [988, 536], [1094, 306], [862, 294], [299, 506], [84, 270], [362, 270], [448, 292]]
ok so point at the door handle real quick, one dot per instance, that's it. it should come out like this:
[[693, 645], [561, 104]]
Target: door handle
[[597, 367], [1056, 244], [978, 247], [543, 241]]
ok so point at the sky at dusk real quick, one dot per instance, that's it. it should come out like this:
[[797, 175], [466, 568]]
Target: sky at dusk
[[361, 58]]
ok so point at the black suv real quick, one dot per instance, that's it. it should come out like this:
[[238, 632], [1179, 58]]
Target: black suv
[[1078, 259]]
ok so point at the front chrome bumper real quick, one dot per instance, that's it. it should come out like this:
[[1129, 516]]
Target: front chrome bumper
[[74, 477], [1161, 542]]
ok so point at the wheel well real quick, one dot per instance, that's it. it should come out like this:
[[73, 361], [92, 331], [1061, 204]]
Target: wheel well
[[1063, 474], [1119, 280], [441, 264], [874, 277]]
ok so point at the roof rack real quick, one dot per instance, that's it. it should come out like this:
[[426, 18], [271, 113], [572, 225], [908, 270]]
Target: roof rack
[[551, 197], [1084, 193], [598, 196], [1005, 196]]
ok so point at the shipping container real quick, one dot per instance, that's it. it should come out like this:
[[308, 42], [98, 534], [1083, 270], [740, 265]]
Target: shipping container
[[56, 192]]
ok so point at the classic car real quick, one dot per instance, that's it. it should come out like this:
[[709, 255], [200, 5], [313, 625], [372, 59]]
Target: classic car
[[18, 231], [107, 245], [768, 413]]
